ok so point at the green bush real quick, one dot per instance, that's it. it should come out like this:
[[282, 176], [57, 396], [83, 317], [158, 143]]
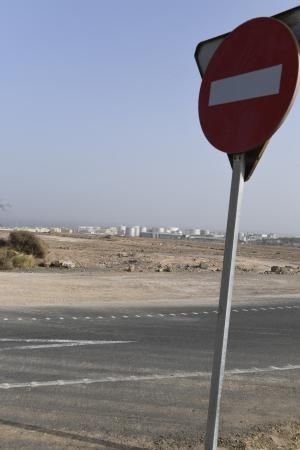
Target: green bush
[[26, 242]]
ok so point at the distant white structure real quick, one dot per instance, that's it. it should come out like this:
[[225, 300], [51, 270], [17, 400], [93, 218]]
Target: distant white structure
[[273, 236], [137, 231], [121, 230], [55, 230], [33, 229], [86, 229], [242, 237], [204, 232], [130, 232]]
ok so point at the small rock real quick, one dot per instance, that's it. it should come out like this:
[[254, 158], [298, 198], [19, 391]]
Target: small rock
[[62, 264], [44, 264], [55, 263], [122, 254], [203, 265], [68, 264], [132, 261]]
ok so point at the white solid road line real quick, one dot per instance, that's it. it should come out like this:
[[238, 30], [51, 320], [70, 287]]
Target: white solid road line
[[246, 86], [54, 343], [137, 378]]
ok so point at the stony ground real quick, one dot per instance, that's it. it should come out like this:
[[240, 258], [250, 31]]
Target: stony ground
[[284, 436], [154, 255]]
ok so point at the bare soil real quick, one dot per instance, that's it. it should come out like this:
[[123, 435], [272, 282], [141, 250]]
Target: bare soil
[[285, 436], [150, 255]]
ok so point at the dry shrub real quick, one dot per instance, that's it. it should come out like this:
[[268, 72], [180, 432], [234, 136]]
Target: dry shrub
[[22, 261], [3, 242], [10, 259], [26, 242], [6, 256]]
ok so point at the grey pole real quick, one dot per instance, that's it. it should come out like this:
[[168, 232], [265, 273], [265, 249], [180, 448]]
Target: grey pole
[[237, 184]]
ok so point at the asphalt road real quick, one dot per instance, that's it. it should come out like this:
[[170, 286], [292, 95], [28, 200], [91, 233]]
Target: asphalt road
[[107, 378]]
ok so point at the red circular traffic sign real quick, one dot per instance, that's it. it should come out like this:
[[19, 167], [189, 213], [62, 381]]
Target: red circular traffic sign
[[249, 85]]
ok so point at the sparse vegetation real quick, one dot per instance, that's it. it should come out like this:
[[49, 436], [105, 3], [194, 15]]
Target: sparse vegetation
[[11, 259], [3, 243], [23, 261], [6, 256], [28, 243], [20, 250]]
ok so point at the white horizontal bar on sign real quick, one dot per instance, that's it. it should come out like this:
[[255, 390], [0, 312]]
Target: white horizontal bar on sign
[[258, 83]]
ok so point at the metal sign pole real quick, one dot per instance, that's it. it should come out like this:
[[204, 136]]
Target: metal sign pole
[[237, 184]]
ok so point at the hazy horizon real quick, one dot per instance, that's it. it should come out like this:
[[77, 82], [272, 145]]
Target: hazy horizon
[[99, 121]]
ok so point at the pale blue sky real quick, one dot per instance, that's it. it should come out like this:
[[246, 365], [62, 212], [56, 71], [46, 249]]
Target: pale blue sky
[[99, 122]]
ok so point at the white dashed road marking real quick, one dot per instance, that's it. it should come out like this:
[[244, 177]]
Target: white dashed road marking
[[157, 315]]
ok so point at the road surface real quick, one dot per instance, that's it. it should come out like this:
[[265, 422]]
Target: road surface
[[125, 378]]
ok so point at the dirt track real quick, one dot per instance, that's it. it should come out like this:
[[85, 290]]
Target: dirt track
[[92, 288]]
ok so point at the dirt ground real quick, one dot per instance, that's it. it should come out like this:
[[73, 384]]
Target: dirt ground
[[274, 437], [150, 255], [124, 270], [115, 254]]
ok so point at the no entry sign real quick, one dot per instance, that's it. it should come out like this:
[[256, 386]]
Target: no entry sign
[[249, 85], [250, 77]]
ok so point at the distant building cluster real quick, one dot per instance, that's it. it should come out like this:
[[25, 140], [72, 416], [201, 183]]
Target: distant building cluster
[[171, 233], [138, 231], [48, 230], [151, 232]]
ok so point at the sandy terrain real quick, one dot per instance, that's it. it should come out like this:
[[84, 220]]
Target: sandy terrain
[[92, 288]]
